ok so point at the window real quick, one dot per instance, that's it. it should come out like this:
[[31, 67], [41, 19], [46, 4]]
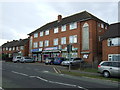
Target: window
[[6, 48], [35, 35], [46, 42], [17, 48], [98, 24], [10, 49], [41, 34], [106, 64], [56, 30], [85, 37], [21, 47], [73, 25], [13, 48], [35, 44], [73, 39], [114, 42], [47, 32], [41, 44], [63, 40], [114, 57], [63, 28], [56, 41], [102, 25], [106, 27]]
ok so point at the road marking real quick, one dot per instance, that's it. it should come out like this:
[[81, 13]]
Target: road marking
[[55, 70], [66, 84], [20, 73]]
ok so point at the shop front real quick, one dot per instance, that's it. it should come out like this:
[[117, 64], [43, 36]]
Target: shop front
[[37, 54]]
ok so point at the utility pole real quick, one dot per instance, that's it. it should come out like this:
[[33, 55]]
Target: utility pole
[[69, 49]]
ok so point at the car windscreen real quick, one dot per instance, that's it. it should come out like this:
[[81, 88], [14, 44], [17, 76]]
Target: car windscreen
[[18, 57], [27, 58]]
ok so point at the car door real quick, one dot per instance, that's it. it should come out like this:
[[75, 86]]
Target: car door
[[115, 69]]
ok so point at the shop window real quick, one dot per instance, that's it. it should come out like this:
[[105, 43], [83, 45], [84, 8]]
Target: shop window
[[73, 39], [63, 28], [114, 42], [56, 30], [63, 40], [56, 41], [114, 57], [85, 37], [73, 25]]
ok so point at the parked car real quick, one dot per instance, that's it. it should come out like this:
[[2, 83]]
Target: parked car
[[17, 59], [58, 60], [49, 60], [72, 61], [27, 59], [109, 68]]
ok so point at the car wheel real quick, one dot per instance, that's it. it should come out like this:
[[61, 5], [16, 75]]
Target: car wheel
[[106, 74]]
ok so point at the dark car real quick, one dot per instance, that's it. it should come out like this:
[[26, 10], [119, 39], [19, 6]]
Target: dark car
[[58, 60], [49, 60]]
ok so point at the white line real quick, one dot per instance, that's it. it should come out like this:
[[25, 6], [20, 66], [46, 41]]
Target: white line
[[55, 70], [42, 79], [20, 73]]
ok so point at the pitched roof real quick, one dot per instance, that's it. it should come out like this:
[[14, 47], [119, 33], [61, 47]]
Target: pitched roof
[[14, 43], [82, 16], [113, 31]]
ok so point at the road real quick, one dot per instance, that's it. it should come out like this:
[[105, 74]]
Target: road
[[32, 75]]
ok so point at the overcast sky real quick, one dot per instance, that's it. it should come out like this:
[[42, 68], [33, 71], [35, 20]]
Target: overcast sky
[[20, 18]]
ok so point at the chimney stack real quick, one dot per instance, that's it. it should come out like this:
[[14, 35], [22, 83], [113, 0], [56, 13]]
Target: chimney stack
[[59, 18]]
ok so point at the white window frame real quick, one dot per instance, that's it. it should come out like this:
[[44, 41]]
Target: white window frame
[[55, 41], [56, 30], [63, 40], [73, 39], [6, 48], [47, 32], [113, 41], [35, 35], [73, 25], [10, 49], [41, 33], [102, 25], [21, 47], [63, 28], [111, 57], [35, 44], [40, 43], [13, 48], [17, 48], [46, 42]]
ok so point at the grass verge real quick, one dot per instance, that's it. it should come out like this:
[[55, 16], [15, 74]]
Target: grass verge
[[87, 75]]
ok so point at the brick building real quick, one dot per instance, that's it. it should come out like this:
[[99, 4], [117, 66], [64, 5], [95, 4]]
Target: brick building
[[16, 47], [82, 30], [111, 43]]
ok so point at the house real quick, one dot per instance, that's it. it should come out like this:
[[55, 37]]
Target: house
[[111, 43], [16, 47], [82, 30]]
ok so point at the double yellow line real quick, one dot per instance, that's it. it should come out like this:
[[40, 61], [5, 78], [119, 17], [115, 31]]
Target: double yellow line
[[56, 70]]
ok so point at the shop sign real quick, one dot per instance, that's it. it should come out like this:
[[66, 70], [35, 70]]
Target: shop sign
[[51, 48], [74, 49], [36, 50]]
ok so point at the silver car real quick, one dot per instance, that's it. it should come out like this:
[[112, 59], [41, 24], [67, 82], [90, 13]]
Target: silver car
[[26, 59], [17, 59], [109, 68]]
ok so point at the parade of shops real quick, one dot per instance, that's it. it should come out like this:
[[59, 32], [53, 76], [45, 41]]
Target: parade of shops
[[82, 30]]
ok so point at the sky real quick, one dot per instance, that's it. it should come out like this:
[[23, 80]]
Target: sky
[[20, 17]]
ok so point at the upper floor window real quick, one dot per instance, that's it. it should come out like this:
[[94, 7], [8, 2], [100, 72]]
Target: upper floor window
[[47, 32], [6, 48], [114, 42], [21, 47], [13, 48], [106, 27], [46, 42], [35, 35], [98, 24], [41, 33], [56, 30], [35, 44], [17, 48], [102, 25], [73, 25], [41, 44], [56, 41], [73, 39], [10, 49], [63, 28], [63, 40], [3, 49]]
